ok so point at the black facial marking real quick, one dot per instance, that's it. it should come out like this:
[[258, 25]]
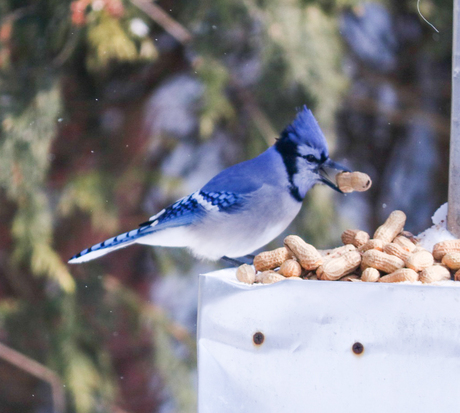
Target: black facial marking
[[310, 158], [288, 151]]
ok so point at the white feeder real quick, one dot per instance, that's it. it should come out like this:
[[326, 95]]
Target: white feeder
[[321, 346]]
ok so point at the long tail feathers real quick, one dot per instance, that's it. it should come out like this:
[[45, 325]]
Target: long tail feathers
[[112, 244]]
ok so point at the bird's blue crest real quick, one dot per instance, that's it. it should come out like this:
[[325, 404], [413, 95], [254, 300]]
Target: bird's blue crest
[[304, 130]]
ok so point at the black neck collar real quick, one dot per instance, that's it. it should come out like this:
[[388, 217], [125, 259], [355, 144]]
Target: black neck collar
[[288, 151]]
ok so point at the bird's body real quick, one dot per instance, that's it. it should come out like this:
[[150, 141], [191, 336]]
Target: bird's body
[[242, 208]]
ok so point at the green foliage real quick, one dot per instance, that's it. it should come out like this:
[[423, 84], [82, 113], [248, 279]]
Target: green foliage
[[83, 359], [110, 40], [215, 106], [89, 193], [27, 137]]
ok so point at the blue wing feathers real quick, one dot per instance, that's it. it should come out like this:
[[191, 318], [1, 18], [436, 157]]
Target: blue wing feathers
[[248, 176], [186, 211]]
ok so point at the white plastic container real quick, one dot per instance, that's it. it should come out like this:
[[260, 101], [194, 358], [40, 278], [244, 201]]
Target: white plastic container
[[409, 337]]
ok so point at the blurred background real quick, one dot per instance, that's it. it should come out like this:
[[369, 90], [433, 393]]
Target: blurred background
[[110, 110]]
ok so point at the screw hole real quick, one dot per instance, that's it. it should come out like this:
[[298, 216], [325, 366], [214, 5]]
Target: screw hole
[[357, 348], [258, 338]]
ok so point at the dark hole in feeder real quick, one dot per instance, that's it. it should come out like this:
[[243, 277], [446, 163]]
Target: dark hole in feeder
[[258, 338], [357, 348]]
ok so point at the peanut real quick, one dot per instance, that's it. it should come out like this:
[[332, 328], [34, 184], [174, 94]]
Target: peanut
[[457, 276], [307, 255], [268, 260], [350, 277], [442, 248], [452, 260], [246, 274], [337, 252], [381, 261], [355, 236], [411, 237], [391, 227], [403, 274], [312, 277], [404, 243], [418, 248], [319, 272], [294, 278], [370, 275], [290, 268], [270, 277], [338, 267], [397, 251], [353, 181], [420, 260], [372, 244], [434, 273]]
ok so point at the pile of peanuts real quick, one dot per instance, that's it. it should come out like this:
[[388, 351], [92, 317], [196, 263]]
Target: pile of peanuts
[[392, 255]]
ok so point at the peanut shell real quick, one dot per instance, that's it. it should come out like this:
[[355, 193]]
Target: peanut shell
[[372, 244], [307, 255], [452, 260], [381, 261], [420, 260], [434, 273], [403, 274], [391, 227], [442, 248], [350, 277], [290, 268], [337, 252], [270, 277], [457, 276], [338, 267], [268, 260], [411, 237], [246, 274], [353, 181], [370, 275], [397, 251], [404, 243], [355, 237]]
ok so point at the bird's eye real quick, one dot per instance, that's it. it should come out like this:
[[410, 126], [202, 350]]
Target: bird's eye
[[311, 158]]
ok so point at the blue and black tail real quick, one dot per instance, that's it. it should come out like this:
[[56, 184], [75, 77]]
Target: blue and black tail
[[112, 244]]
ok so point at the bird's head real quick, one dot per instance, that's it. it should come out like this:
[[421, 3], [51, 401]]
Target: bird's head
[[303, 148]]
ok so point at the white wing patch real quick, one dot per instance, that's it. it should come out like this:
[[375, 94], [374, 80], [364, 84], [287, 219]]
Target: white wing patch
[[208, 206], [154, 217]]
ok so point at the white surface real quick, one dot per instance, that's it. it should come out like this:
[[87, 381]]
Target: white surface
[[410, 333], [438, 232]]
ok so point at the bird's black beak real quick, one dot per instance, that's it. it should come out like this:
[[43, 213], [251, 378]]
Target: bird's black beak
[[324, 177]]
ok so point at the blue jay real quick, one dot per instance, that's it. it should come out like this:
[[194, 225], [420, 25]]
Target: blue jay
[[242, 208]]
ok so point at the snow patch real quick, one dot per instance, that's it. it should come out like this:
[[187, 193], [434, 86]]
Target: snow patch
[[438, 232]]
